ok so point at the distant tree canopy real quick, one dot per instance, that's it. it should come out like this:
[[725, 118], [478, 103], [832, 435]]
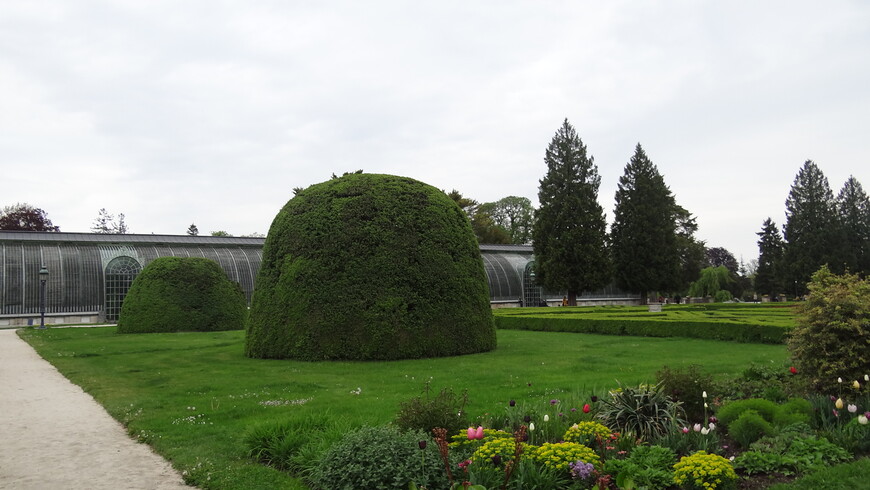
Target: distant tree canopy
[[106, 223], [570, 232], [853, 211], [514, 215], [768, 274], [24, 217], [192, 230], [369, 266], [220, 233], [717, 256], [644, 232], [812, 235], [482, 223], [713, 282]]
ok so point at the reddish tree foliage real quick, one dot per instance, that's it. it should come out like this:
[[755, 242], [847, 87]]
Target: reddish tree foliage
[[24, 217]]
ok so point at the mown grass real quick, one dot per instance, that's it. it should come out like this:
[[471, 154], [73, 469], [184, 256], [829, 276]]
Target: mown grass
[[193, 396]]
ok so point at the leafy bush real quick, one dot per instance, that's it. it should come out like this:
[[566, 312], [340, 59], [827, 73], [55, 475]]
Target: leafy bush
[[749, 427], [797, 456], [686, 386], [182, 294], [425, 413], [560, 454], [832, 337], [370, 267], [646, 467], [587, 433], [795, 410], [731, 411], [644, 410], [380, 458], [704, 471]]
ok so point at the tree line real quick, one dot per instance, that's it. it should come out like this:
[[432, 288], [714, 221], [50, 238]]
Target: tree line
[[819, 229]]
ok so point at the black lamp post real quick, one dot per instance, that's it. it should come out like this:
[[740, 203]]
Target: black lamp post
[[43, 276]]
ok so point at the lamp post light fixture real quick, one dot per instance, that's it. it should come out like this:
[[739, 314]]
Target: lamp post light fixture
[[43, 277]]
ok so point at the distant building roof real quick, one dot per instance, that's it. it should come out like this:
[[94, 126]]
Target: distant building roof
[[505, 248], [44, 236]]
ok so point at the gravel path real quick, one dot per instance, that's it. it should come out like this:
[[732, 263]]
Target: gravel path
[[53, 435]]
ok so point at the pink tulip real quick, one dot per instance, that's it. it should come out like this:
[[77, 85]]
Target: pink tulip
[[471, 433], [479, 433], [685, 430], [697, 427]]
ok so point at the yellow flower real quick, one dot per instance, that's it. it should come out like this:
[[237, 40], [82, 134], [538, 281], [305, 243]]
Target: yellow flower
[[839, 404], [856, 385]]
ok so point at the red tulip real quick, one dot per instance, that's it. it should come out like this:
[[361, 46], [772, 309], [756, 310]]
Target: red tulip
[[792, 370], [586, 408]]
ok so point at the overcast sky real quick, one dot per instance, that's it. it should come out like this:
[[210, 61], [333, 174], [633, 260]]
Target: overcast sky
[[211, 112]]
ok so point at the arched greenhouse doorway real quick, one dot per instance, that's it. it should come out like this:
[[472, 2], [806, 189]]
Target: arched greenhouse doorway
[[531, 291], [119, 276]]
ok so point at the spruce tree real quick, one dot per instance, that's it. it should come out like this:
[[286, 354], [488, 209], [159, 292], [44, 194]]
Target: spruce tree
[[811, 231], [569, 236], [643, 235], [768, 278], [853, 210]]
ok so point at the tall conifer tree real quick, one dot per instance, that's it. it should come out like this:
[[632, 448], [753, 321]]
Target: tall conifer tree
[[768, 278], [643, 235], [811, 231], [853, 209], [570, 233]]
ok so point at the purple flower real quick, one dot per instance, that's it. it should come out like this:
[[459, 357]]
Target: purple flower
[[594, 398], [422, 444], [512, 403], [554, 401], [714, 420], [496, 460], [581, 470], [527, 419], [561, 414], [573, 409]]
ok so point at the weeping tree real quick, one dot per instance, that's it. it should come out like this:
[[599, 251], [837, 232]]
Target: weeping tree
[[714, 282]]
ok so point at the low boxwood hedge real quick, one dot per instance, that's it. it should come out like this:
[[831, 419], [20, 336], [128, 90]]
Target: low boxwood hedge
[[653, 327]]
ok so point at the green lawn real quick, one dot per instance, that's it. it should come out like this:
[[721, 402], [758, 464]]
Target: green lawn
[[193, 396]]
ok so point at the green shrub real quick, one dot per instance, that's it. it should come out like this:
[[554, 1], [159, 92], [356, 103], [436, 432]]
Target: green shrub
[[425, 413], [794, 411], [704, 471], [182, 294], [832, 338], [686, 386], [370, 267], [749, 427], [733, 410], [646, 467], [645, 411], [381, 457]]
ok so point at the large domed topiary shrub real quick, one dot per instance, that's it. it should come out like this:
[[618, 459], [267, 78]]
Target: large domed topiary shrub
[[182, 294], [370, 266]]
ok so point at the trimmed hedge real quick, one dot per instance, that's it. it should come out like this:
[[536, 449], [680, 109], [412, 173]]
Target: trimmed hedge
[[654, 327], [174, 294], [374, 267]]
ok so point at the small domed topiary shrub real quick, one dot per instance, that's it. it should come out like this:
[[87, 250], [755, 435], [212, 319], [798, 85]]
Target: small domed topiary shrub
[[370, 267], [182, 294]]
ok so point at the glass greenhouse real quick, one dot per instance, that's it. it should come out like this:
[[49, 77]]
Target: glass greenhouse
[[89, 274]]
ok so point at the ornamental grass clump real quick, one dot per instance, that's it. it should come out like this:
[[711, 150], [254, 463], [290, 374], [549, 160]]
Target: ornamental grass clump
[[702, 471], [645, 411]]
